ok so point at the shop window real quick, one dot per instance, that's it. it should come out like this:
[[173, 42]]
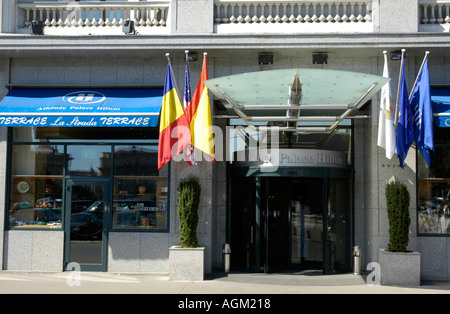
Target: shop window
[[140, 190], [42, 158], [434, 188], [36, 186]]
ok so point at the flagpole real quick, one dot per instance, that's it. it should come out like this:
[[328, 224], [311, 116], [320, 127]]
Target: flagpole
[[398, 90], [171, 71], [420, 71], [187, 82], [186, 52]]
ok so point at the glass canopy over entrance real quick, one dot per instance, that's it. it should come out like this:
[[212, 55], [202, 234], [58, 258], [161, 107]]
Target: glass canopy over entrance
[[305, 100]]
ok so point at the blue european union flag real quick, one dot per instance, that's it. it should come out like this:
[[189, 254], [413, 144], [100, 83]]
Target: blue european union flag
[[405, 128], [423, 114]]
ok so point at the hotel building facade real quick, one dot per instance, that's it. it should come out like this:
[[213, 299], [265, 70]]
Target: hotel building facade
[[81, 85]]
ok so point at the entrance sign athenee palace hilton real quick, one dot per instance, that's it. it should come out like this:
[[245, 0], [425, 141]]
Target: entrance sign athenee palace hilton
[[298, 158]]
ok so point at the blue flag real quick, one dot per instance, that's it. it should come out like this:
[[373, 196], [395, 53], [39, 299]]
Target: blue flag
[[405, 129], [187, 89], [423, 114]]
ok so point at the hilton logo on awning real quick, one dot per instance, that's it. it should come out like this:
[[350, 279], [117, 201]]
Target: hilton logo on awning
[[84, 98]]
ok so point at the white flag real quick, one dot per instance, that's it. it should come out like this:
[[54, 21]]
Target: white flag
[[386, 127]]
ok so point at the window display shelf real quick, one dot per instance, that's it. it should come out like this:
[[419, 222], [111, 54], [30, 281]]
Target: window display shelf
[[28, 176], [38, 226], [138, 177], [435, 180]]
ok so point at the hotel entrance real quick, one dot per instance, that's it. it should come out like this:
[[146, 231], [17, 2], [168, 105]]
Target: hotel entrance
[[292, 208], [291, 222]]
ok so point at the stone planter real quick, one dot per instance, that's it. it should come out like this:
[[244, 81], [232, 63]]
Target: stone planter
[[399, 269], [186, 264]]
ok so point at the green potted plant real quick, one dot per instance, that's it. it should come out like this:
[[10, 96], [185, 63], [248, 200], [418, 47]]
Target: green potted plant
[[397, 201], [188, 203], [399, 266], [186, 261]]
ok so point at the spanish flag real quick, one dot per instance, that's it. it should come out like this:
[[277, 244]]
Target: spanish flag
[[174, 134], [199, 116]]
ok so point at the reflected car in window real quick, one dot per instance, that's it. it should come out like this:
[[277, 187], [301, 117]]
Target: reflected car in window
[[84, 226], [35, 216]]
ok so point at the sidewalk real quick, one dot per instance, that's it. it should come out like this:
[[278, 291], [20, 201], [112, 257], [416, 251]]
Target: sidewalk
[[216, 283]]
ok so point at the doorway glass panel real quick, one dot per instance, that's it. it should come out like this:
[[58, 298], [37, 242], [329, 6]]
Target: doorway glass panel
[[244, 224], [275, 221], [86, 244], [338, 221], [307, 203]]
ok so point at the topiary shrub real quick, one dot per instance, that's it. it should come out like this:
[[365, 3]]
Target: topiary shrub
[[397, 199], [188, 203]]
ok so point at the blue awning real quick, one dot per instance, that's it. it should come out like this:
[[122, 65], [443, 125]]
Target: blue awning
[[440, 101], [64, 107]]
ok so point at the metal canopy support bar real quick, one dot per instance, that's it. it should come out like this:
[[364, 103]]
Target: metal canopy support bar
[[78, 114], [225, 116], [313, 129], [301, 107], [236, 106], [348, 111], [299, 119]]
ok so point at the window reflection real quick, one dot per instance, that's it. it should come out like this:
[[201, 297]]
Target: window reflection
[[37, 160], [89, 160], [434, 187], [307, 221], [136, 160]]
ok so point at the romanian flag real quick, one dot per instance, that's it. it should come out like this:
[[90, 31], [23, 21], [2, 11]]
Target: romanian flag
[[199, 116], [174, 134]]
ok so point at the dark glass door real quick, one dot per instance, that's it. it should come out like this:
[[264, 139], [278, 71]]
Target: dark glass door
[[307, 223], [86, 222], [275, 222], [286, 223], [244, 224], [339, 206]]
